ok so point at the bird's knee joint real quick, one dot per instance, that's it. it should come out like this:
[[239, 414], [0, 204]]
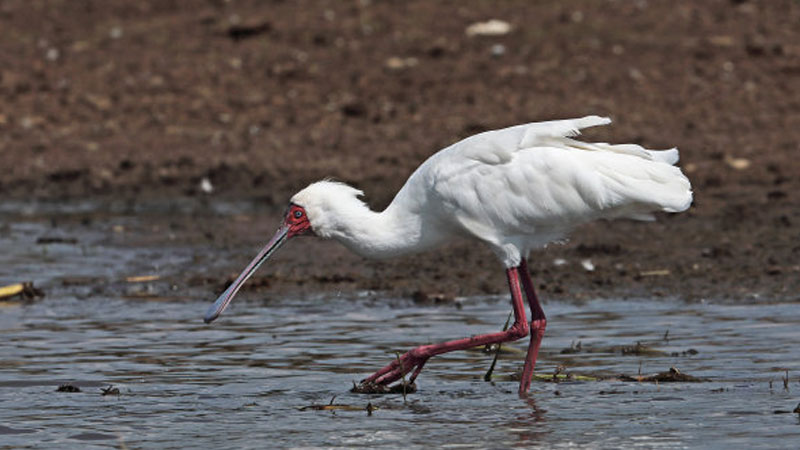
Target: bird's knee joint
[[538, 326], [518, 331]]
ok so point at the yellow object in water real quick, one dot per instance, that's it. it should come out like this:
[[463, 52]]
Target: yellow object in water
[[11, 290], [24, 290], [142, 278]]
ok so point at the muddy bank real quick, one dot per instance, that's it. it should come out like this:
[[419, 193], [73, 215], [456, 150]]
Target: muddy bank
[[192, 248], [146, 101]]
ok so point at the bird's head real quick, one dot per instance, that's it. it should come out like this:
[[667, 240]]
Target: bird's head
[[309, 212]]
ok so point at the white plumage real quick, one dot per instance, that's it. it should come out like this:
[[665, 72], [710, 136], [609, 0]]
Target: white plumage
[[515, 189]]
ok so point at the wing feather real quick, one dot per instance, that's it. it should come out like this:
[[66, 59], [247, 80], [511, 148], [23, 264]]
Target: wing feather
[[528, 185], [498, 146]]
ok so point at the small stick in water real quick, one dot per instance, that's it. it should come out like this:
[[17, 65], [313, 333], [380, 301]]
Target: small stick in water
[[403, 372], [488, 376]]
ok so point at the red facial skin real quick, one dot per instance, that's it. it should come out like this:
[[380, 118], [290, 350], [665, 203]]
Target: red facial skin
[[297, 221]]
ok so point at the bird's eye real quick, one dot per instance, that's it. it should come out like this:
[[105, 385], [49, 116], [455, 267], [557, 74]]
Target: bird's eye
[[298, 214]]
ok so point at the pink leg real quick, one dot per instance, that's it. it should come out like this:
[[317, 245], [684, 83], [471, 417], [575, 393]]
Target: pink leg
[[538, 324], [416, 358]]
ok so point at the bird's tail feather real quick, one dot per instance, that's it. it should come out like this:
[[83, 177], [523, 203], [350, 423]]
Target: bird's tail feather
[[669, 156], [637, 188]]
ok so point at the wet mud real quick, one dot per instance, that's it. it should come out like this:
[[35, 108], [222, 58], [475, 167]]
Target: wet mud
[[249, 101]]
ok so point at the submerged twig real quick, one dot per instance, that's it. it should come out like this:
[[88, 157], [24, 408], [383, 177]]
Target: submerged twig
[[488, 376], [110, 390], [337, 407]]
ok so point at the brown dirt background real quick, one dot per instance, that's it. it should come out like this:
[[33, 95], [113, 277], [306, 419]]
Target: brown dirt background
[[143, 99]]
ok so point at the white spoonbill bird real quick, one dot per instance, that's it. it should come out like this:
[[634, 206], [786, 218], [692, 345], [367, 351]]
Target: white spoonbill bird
[[515, 189]]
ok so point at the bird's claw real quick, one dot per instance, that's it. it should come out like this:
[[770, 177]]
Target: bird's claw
[[379, 382]]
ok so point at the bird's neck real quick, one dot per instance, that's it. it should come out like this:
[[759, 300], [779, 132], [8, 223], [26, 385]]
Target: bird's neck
[[392, 232]]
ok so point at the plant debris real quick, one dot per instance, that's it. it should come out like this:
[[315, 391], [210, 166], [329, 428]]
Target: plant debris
[[142, 278], [431, 298], [637, 349], [640, 349], [796, 410], [573, 348], [110, 390], [655, 273], [55, 240], [673, 375], [25, 290], [372, 388], [559, 375], [340, 407], [67, 387], [689, 352]]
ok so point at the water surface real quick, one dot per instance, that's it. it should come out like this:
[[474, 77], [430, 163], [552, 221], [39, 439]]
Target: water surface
[[247, 380], [243, 381]]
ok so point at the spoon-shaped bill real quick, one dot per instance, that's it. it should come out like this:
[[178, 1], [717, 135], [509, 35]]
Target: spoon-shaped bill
[[225, 298]]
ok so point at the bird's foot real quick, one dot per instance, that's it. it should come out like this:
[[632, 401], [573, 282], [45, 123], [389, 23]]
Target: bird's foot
[[379, 382]]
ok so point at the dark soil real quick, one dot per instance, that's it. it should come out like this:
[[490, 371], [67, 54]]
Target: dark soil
[[143, 99]]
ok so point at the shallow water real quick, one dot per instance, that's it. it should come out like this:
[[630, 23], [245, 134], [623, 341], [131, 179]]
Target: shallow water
[[243, 381]]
